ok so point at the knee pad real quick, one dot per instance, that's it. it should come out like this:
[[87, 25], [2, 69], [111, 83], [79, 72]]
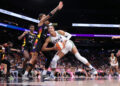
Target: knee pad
[[81, 58], [54, 61]]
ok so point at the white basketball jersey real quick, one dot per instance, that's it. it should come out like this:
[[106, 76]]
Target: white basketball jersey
[[113, 60], [58, 38]]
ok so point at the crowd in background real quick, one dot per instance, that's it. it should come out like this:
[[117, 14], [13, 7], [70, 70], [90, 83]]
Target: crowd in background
[[68, 66]]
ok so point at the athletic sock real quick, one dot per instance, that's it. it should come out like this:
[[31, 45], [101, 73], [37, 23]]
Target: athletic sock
[[90, 66], [26, 73]]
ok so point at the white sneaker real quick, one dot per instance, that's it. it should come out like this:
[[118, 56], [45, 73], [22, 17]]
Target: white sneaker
[[25, 77], [93, 71], [43, 78], [51, 77]]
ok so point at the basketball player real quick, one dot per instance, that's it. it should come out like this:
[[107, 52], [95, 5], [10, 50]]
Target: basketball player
[[117, 37], [28, 40], [114, 64], [4, 61], [41, 33], [5, 50], [61, 36]]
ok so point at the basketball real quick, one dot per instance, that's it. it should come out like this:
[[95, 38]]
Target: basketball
[[59, 45]]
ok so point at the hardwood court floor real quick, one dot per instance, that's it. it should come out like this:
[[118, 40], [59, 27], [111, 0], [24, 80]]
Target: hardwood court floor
[[63, 82]]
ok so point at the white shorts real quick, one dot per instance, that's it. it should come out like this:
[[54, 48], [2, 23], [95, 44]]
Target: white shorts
[[68, 47], [113, 65]]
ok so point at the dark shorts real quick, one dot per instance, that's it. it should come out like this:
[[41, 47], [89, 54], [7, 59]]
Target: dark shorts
[[4, 61], [27, 48], [39, 45], [1, 57]]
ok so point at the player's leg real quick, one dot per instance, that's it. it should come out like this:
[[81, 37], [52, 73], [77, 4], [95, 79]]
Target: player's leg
[[58, 56], [48, 56], [54, 61], [33, 59], [31, 63], [7, 67], [26, 57], [83, 59], [26, 54], [117, 70], [110, 72]]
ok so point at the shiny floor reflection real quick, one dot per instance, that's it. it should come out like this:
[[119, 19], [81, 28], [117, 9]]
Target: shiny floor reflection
[[63, 82]]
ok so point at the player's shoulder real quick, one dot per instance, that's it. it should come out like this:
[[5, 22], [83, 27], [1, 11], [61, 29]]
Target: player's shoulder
[[60, 31]]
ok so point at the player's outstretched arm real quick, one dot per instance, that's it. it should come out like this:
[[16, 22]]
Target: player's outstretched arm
[[116, 37], [59, 7], [16, 50]]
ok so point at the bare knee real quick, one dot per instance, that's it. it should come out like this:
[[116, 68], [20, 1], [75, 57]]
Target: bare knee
[[26, 54]]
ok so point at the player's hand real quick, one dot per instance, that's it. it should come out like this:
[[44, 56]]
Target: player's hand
[[54, 48], [26, 32], [60, 5], [47, 22], [114, 37], [18, 51]]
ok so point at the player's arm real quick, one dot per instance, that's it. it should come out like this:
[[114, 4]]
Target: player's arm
[[59, 7], [21, 36], [45, 48], [110, 60], [116, 59], [66, 34], [116, 37], [16, 50]]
